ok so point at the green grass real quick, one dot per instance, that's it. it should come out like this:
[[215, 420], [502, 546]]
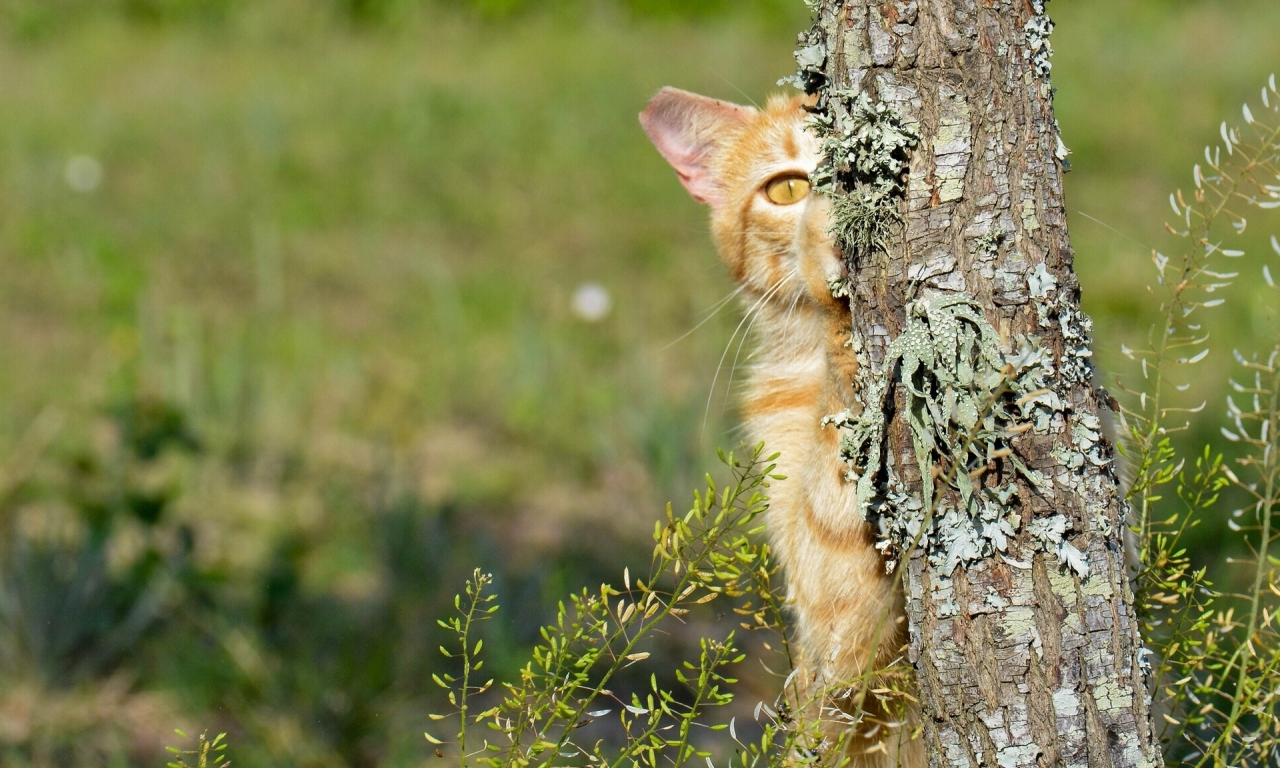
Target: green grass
[[328, 272]]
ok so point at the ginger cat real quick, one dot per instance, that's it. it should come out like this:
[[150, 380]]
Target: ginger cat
[[751, 168]]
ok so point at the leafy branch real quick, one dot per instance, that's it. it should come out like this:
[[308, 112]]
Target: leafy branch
[[712, 552], [563, 706], [209, 753]]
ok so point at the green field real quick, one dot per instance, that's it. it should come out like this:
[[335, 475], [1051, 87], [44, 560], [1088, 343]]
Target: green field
[[305, 353]]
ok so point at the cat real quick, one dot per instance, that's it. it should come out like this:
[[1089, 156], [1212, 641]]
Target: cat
[[751, 167]]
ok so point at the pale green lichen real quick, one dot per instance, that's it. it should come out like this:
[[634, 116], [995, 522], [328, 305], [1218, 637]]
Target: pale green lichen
[[1060, 150], [868, 140], [1041, 283], [952, 146], [864, 150], [864, 157], [944, 598], [1055, 307], [1017, 754], [1066, 457], [963, 396], [1066, 703], [839, 287], [1064, 587], [1077, 351], [989, 243], [1037, 31], [1086, 436], [811, 58], [1097, 588], [864, 145], [1050, 533], [864, 218], [1029, 221], [1085, 448], [1110, 696]]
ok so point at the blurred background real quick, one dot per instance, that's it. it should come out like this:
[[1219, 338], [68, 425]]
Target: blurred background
[[308, 307]]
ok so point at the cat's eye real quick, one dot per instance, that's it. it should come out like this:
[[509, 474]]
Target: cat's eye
[[787, 190]]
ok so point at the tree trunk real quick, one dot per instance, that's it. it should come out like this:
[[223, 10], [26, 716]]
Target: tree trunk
[[978, 449]]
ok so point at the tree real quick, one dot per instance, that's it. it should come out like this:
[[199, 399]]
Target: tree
[[980, 447]]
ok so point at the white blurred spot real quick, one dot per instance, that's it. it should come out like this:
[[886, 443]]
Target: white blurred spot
[[592, 302], [83, 173]]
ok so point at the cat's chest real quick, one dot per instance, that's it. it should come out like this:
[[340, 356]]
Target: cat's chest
[[788, 402], [802, 374]]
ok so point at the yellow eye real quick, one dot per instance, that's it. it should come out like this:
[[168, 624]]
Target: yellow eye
[[787, 190]]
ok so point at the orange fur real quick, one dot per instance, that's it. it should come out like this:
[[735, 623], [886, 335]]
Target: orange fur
[[848, 612]]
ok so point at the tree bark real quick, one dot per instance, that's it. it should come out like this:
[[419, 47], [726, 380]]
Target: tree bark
[[1025, 644]]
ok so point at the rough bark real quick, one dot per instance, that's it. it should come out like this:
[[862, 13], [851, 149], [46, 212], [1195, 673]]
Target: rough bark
[[1022, 659]]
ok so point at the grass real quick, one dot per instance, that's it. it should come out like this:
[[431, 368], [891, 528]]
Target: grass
[[311, 343]]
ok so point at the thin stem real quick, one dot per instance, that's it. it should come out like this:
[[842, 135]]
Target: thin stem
[[1262, 567], [1150, 420], [474, 591], [691, 570]]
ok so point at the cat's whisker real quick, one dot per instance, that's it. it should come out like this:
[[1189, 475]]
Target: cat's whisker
[[789, 317], [733, 369], [759, 302], [710, 231], [1126, 236], [715, 310], [734, 86], [791, 310]]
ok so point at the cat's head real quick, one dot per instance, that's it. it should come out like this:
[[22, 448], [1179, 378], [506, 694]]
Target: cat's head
[[752, 167]]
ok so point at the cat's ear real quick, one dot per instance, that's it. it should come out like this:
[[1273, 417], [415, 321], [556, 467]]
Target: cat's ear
[[688, 129]]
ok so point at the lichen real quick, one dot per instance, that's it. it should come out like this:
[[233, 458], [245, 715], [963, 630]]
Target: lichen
[[989, 242], [864, 157], [811, 60], [1050, 533], [869, 140], [1064, 587], [952, 145], [1037, 31], [1066, 703], [1029, 221], [1060, 150], [1039, 54], [1086, 447], [963, 398], [1055, 307], [839, 287], [864, 149], [1077, 352], [1041, 283], [1110, 696], [864, 218]]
